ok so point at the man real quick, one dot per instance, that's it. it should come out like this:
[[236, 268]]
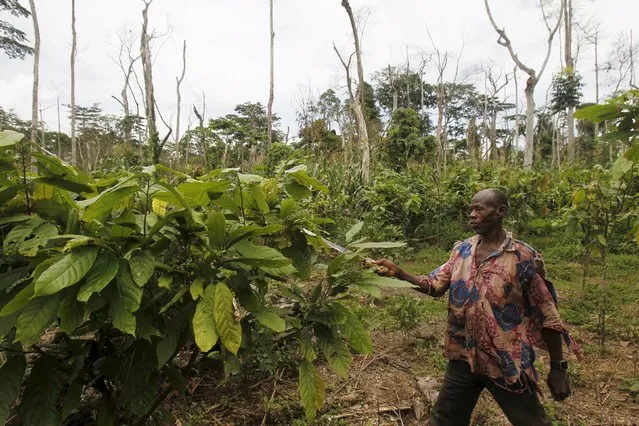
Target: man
[[500, 306]]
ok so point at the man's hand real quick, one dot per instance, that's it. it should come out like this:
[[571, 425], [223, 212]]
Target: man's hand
[[559, 384], [387, 268]]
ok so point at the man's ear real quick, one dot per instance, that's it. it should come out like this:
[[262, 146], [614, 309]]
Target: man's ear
[[502, 210]]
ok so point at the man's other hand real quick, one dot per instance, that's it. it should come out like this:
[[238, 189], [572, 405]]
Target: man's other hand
[[386, 268], [559, 384]]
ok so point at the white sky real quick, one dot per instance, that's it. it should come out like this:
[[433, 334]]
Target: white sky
[[228, 42]]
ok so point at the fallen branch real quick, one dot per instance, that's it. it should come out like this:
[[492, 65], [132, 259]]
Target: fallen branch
[[380, 410]]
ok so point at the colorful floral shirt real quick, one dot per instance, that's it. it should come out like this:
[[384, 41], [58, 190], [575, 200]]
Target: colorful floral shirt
[[496, 310]]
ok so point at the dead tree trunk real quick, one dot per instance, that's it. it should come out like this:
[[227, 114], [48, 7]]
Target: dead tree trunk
[[362, 131], [570, 65], [36, 74], [59, 128], [126, 64], [74, 53], [517, 118], [422, 110], [271, 94], [147, 67], [179, 103], [352, 101], [391, 80], [442, 63], [533, 77]]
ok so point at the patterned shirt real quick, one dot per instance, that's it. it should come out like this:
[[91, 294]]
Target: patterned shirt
[[496, 310]]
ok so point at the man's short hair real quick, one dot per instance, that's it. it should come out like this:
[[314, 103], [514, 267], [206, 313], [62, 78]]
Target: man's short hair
[[498, 197]]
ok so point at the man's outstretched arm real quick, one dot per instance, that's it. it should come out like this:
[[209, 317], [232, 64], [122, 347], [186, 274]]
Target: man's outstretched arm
[[434, 285]]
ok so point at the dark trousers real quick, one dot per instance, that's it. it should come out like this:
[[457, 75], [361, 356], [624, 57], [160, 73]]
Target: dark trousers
[[461, 391]]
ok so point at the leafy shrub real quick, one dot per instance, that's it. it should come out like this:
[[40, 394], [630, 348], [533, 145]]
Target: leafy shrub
[[135, 268]]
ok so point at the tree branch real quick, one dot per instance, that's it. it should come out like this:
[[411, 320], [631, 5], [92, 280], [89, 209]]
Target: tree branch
[[551, 36], [505, 41]]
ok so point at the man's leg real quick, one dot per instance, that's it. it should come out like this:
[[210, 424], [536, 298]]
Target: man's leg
[[522, 409], [457, 397]]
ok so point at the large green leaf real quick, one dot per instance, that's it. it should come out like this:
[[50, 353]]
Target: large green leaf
[[354, 231], [271, 320], [125, 301], [166, 348], [195, 193], [11, 375], [341, 359], [72, 398], [59, 182], [99, 276], [179, 200], [299, 174], [204, 327], [216, 227], [297, 191], [67, 271], [71, 313], [8, 192], [255, 255], [249, 231], [356, 334], [8, 138], [306, 346], [99, 208], [14, 219], [39, 402], [620, 167], [598, 113], [127, 290], [19, 233], [142, 266], [258, 197], [632, 154], [230, 331], [41, 236], [311, 389], [18, 301], [11, 277], [35, 317], [121, 318]]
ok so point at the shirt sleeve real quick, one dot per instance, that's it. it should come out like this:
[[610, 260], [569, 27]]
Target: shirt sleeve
[[437, 282], [543, 304]]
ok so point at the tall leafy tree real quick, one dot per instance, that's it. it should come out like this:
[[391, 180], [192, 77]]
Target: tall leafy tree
[[12, 40], [404, 141]]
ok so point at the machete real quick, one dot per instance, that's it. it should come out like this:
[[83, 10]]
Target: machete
[[333, 245]]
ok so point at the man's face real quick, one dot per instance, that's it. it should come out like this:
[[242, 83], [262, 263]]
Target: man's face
[[485, 215]]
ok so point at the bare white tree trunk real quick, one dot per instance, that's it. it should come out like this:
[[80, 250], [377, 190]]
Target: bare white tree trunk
[[597, 77], [59, 128], [391, 79], [362, 131], [530, 123], [36, 75], [570, 67], [126, 64], [74, 53], [533, 76], [517, 118], [271, 94], [179, 103], [147, 67]]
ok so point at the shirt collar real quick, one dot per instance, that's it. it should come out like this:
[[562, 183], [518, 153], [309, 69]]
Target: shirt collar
[[508, 245]]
